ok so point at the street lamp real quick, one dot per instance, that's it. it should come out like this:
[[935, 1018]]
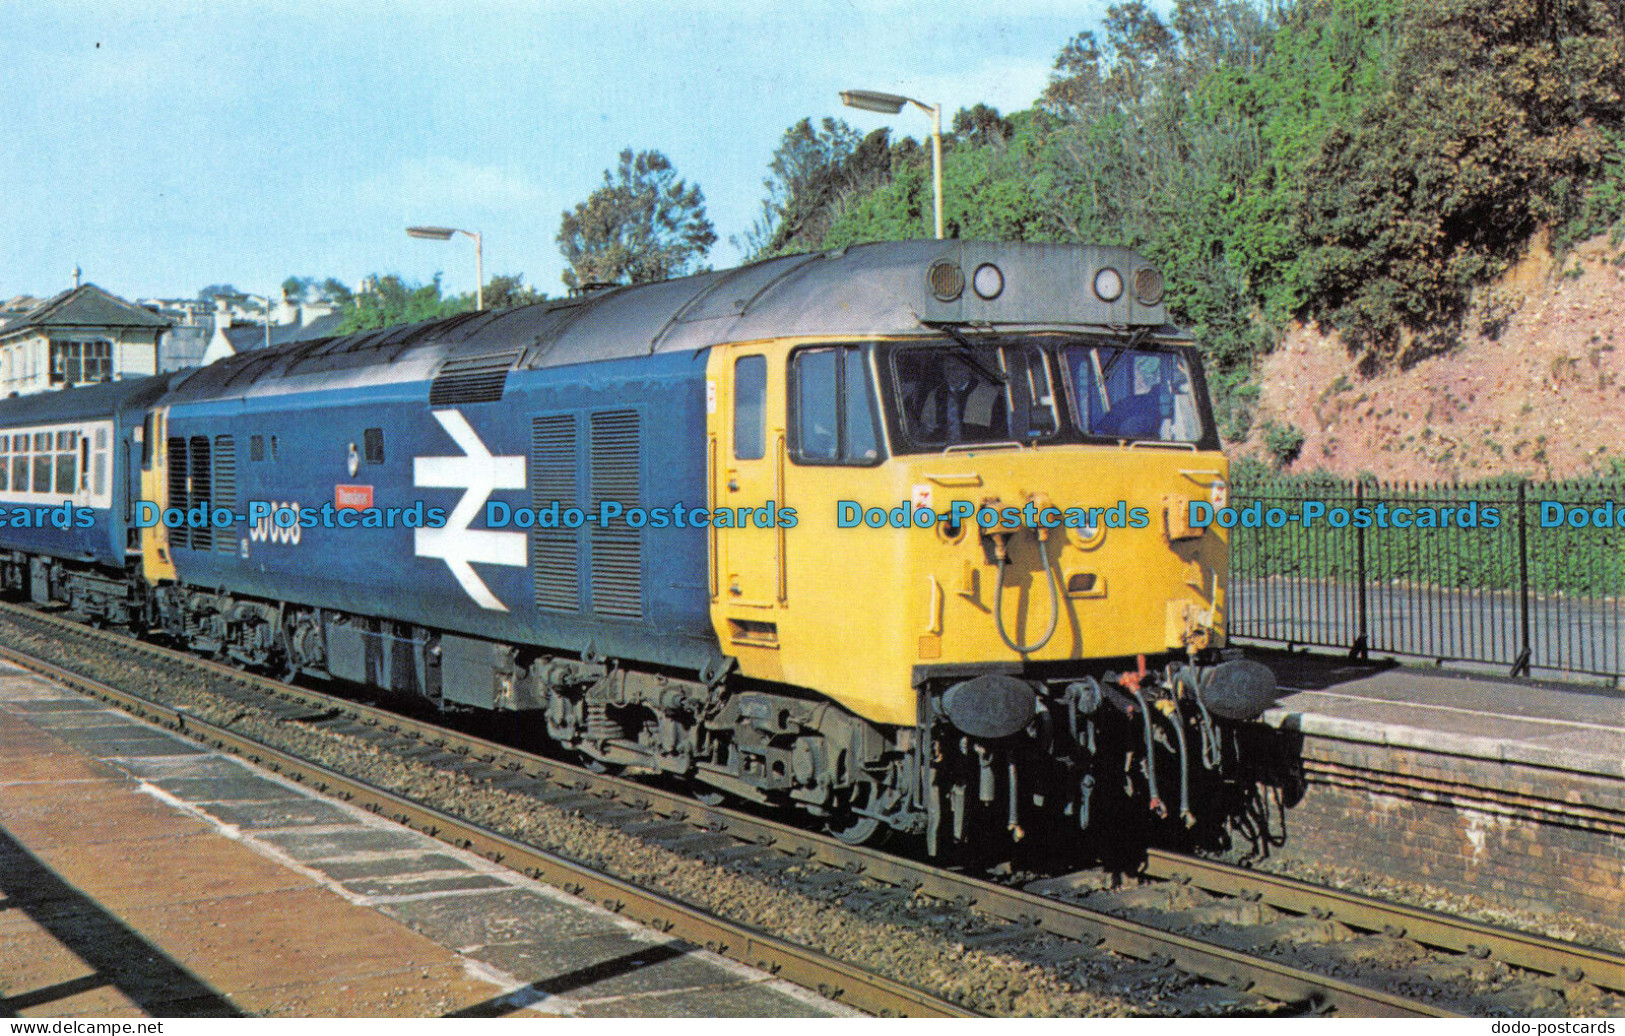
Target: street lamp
[[444, 234], [870, 101]]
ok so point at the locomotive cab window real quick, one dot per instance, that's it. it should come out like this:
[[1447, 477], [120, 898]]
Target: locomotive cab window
[[953, 394], [750, 408], [832, 407], [1140, 394]]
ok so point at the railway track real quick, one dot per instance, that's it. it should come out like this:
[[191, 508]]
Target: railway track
[[1058, 920]]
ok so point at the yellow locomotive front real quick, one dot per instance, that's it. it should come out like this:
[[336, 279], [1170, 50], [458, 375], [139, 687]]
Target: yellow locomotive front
[[994, 560]]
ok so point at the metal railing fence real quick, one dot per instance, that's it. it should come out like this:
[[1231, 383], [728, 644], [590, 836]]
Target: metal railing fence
[[1505, 586]]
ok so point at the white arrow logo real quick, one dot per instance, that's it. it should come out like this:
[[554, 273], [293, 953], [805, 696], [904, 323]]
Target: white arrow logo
[[478, 472]]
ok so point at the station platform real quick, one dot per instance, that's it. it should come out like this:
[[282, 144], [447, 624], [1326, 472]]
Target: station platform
[[141, 875], [1508, 791], [1562, 727]]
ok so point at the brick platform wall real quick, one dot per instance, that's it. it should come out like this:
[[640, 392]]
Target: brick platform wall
[[1510, 834]]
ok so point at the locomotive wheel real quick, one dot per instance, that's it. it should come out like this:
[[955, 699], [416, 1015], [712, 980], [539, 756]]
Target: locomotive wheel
[[854, 828]]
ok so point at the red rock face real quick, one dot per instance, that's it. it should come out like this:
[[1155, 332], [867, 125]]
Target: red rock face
[[1544, 396]]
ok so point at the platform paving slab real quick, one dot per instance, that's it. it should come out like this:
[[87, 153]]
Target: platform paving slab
[[1578, 728], [143, 874]]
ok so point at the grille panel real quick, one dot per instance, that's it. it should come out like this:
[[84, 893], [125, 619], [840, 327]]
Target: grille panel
[[555, 561], [199, 483], [472, 379], [225, 489], [617, 551]]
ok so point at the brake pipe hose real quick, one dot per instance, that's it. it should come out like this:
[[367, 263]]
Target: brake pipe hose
[[1054, 596]]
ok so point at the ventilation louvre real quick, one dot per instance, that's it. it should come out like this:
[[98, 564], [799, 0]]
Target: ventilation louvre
[[179, 463], [555, 564], [225, 490], [473, 379], [617, 550]]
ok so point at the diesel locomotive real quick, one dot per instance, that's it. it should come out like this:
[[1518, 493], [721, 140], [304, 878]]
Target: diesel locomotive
[[898, 535]]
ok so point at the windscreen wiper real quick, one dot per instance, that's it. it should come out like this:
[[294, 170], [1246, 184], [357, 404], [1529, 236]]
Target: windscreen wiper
[[1133, 343], [967, 352]]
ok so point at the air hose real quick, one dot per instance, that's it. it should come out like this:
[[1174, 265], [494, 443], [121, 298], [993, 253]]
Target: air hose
[[1003, 555], [1185, 815]]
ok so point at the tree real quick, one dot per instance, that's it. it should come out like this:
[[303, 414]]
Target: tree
[[982, 126], [334, 290], [208, 294], [643, 224], [294, 289], [504, 290], [804, 177], [1498, 110], [389, 300]]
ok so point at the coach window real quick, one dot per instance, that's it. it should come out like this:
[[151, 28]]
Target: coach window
[[5, 463], [832, 407], [750, 407], [98, 484], [43, 462], [19, 463], [67, 462]]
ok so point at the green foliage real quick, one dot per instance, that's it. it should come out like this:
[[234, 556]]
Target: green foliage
[[334, 290], [1600, 204], [505, 290], [208, 294], [805, 179], [1362, 163], [997, 183], [1235, 397], [1495, 109], [1283, 440], [389, 300], [308, 289], [1560, 560], [643, 224]]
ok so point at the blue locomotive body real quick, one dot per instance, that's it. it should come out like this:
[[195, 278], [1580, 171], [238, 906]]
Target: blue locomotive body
[[351, 472]]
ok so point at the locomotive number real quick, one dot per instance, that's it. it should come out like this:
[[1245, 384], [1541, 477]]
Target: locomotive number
[[280, 526]]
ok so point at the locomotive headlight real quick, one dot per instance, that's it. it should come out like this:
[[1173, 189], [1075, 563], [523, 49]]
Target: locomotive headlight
[[1108, 284], [988, 281], [1218, 494], [946, 280], [1148, 286]]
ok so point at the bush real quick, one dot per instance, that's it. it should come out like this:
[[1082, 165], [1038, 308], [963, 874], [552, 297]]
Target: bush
[[1283, 440]]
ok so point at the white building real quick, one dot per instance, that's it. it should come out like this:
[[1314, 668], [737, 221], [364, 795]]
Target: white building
[[83, 336]]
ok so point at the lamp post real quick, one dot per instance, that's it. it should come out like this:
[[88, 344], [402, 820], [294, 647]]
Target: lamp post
[[870, 101], [444, 234]]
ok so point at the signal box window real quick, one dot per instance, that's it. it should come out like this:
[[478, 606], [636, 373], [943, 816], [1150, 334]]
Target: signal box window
[[750, 407], [832, 400], [81, 363]]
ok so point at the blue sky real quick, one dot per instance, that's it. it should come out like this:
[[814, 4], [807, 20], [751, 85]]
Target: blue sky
[[163, 146]]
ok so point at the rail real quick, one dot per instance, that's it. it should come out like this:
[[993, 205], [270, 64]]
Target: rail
[[1266, 976]]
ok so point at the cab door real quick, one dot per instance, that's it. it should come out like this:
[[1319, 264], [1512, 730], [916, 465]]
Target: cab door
[[157, 564], [748, 447]]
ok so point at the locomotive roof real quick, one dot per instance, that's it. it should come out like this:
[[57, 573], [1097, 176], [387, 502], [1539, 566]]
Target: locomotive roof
[[871, 289]]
